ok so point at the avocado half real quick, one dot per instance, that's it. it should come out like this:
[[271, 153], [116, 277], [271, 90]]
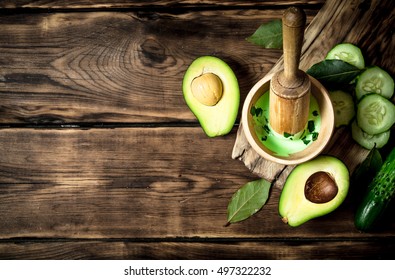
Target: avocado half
[[215, 119], [313, 189]]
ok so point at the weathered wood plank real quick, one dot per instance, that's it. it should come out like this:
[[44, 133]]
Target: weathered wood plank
[[83, 4], [358, 22], [135, 183], [86, 183], [121, 193], [265, 249], [116, 66]]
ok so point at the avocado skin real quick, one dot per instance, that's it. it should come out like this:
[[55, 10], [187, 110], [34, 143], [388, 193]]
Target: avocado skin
[[294, 208], [219, 119]]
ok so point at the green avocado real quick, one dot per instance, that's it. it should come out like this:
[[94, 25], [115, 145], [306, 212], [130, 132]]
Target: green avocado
[[313, 189], [212, 93]]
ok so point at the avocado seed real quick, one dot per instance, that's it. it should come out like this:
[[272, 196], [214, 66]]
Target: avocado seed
[[207, 89], [320, 187]]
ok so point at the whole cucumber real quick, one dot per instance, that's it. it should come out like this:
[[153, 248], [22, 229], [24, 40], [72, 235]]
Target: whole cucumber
[[380, 193]]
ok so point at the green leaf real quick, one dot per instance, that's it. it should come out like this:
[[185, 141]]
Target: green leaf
[[334, 71], [248, 200], [268, 35], [366, 171]]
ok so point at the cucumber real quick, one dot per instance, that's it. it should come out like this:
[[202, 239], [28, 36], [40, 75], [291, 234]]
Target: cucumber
[[380, 193], [348, 53], [343, 106], [374, 80], [375, 114], [369, 141]]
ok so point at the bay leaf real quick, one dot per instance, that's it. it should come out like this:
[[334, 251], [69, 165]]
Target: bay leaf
[[268, 35], [248, 200], [334, 72], [365, 172]]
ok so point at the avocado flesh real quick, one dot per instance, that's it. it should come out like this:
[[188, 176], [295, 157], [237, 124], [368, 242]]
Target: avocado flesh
[[218, 119], [294, 208]]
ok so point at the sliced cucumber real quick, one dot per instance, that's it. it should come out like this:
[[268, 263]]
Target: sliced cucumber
[[343, 106], [348, 53], [375, 114], [369, 141], [375, 80]]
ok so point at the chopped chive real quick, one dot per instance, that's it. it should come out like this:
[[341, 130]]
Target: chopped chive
[[256, 111], [311, 126]]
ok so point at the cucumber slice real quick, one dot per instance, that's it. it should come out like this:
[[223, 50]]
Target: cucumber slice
[[343, 106], [375, 80], [375, 114], [369, 141], [348, 53]]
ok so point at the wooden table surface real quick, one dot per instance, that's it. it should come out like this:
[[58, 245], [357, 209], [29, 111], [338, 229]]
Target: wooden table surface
[[102, 159]]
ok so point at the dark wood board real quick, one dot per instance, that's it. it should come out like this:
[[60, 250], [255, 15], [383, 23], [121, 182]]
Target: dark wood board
[[164, 4], [199, 250], [135, 183], [102, 159], [117, 67]]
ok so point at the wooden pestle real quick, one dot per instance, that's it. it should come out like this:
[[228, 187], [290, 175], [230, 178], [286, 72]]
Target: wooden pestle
[[290, 88]]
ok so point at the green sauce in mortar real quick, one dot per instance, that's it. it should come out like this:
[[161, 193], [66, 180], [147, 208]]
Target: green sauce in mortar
[[284, 145]]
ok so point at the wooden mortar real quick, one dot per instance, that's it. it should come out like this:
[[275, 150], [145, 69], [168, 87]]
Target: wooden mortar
[[289, 102], [290, 88]]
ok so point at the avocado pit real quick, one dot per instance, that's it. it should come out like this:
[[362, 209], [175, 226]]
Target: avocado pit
[[320, 187], [207, 89]]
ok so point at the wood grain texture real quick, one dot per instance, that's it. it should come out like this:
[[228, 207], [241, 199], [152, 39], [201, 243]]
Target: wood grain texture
[[83, 4], [119, 66], [336, 22], [134, 183], [120, 183], [153, 186], [196, 250]]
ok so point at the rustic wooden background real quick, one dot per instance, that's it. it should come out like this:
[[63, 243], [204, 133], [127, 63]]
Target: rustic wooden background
[[102, 159]]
